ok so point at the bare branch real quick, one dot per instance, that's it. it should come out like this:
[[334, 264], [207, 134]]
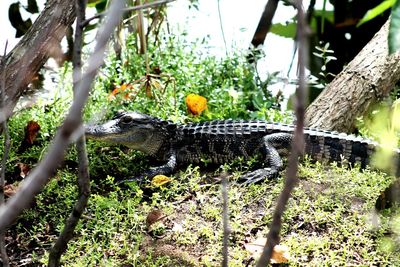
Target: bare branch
[[263, 27], [83, 174], [134, 8], [33, 50], [222, 27], [297, 143], [225, 219], [70, 127], [265, 23], [7, 144]]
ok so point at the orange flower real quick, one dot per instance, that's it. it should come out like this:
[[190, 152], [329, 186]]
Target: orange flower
[[123, 88], [196, 104]]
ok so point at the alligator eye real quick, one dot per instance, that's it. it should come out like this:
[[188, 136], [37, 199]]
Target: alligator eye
[[126, 120]]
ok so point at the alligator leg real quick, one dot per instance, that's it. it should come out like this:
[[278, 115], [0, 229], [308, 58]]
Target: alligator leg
[[165, 169], [272, 143]]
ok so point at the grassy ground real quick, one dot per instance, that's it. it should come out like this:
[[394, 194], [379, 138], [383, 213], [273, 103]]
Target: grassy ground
[[329, 221]]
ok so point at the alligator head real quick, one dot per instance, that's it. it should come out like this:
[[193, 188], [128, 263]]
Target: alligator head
[[132, 129]]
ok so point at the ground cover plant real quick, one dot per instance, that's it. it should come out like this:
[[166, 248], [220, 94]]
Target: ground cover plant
[[329, 219]]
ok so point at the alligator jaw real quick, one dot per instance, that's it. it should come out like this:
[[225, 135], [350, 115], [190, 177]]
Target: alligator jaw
[[97, 132]]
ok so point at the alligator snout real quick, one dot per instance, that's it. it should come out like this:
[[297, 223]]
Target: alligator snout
[[94, 131]]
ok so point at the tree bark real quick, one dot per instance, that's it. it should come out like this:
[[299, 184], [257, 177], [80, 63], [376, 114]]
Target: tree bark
[[28, 56], [368, 78], [265, 23]]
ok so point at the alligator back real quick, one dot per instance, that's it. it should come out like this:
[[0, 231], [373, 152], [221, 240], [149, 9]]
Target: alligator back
[[222, 140]]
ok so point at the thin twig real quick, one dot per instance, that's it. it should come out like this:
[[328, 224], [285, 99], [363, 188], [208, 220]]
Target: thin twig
[[222, 27], [128, 9], [70, 128], [83, 172], [297, 143], [7, 144], [225, 219]]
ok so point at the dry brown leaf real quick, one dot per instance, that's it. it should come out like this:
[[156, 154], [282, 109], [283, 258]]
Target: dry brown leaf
[[31, 132], [280, 254], [10, 190], [153, 217], [24, 169]]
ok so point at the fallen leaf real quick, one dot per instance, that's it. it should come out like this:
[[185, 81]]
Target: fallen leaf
[[280, 253], [196, 104], [31, 132], [24, 169], [160, 180], [155, 83], [153, 217], [147, 86], [9, 190]]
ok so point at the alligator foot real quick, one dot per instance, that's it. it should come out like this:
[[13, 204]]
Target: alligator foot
[[258, 175]]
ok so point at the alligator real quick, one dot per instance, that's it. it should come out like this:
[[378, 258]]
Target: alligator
[[221, 141]]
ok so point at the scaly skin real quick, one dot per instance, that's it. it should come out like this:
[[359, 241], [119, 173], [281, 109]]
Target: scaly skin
[[221, 141]]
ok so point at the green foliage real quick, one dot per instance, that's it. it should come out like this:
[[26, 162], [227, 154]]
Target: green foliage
[[325, 222], [228, 84], [325, 55], [376, 11], [324, 16], [394, 29], [383, 125], [287, 30]]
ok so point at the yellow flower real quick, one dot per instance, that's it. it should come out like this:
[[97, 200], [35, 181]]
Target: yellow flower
[[160, 180]]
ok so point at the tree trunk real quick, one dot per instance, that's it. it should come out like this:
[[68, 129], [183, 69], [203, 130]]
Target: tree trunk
[[40, 41], [368, 78]]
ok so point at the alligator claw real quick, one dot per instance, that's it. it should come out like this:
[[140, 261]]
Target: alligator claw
[[258, 175]]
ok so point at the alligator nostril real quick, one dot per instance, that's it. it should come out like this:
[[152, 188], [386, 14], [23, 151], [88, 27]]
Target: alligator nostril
[[90, 130]]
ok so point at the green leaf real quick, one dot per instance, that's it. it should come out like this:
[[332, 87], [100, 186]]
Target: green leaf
[[320, 18], [394, 29], [378, 10], [287, 30]]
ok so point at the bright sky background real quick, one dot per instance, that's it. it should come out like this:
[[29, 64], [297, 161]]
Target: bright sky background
[[239, 22]]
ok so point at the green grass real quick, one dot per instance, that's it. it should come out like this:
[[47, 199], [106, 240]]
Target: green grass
[[328, 220]]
